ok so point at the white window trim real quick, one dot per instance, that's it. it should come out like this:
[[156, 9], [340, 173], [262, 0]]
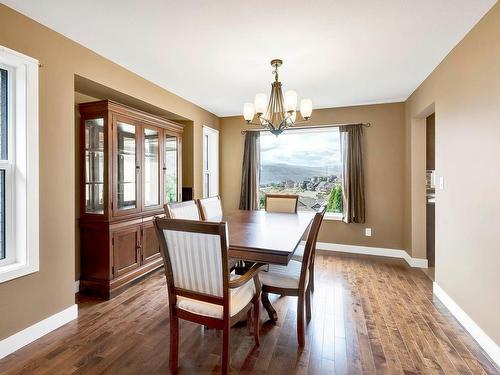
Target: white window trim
[[213, 171], [22, 221], [333, 216]]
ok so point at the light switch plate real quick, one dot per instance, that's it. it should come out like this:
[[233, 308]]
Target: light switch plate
[[441, 182], [368, 232]]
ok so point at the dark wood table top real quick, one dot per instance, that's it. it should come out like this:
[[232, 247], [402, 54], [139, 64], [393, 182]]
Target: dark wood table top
[[266, 237]]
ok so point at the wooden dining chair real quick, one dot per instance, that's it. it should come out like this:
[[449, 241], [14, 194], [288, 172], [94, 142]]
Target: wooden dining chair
[[182, 210], [298, 255], [294, 279], [281, 203], [200, 288], [210, 208]]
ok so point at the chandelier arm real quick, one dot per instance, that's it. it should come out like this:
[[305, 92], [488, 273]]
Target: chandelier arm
[[266, 123]]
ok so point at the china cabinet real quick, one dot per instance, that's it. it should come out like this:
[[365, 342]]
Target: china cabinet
[[130, 167]]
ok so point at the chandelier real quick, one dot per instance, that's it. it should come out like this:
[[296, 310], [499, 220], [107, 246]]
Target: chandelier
[[280, 112]]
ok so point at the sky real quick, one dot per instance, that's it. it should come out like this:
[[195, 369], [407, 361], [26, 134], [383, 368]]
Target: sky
[[310, 149]]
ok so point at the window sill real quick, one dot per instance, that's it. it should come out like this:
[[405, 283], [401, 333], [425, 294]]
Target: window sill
[[15, 270], [332, 217]]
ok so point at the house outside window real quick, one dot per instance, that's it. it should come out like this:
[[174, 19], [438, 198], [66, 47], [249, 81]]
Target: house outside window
[[18, 164], [305, 162]]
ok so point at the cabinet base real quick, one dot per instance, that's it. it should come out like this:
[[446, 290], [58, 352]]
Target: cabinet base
[[108, 289]]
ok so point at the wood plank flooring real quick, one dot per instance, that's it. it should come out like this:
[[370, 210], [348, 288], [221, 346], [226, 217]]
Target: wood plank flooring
[[369, 317]]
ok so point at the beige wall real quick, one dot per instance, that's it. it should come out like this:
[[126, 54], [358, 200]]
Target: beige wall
[[52, 288], [464, 90], [384, 162]]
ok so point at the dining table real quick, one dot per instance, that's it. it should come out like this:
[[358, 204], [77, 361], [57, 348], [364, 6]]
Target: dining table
[[266, 237]]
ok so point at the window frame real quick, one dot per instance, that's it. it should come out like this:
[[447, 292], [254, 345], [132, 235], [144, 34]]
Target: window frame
[[333, 216], [211, 159], [21, 177]]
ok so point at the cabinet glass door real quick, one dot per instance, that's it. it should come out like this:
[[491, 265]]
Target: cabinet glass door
[[151, 167], [126, 140], [171, 173], [94, 166]]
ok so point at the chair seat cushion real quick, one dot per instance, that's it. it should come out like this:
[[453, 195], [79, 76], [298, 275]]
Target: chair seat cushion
[[298, 255], [283, 276], [240, 297]]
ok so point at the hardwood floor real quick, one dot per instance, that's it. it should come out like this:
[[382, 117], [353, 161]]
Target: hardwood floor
[[369, 317]]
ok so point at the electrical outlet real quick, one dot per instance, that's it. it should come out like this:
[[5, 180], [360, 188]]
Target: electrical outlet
[[368, 232]]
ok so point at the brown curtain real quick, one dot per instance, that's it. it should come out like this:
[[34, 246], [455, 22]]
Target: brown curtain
[[249, 196], [353, 184]]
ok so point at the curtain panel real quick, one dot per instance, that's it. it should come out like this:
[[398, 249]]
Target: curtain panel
[[249, 195], [353, 184]]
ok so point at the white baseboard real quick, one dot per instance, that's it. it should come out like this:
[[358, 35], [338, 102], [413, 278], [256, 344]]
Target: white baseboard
[[37, 330], [489, 346], [379, 251], [77, 286]]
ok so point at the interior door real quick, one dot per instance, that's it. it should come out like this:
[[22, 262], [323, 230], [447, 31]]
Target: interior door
[[126, 246], [150, 244], [126, 166]]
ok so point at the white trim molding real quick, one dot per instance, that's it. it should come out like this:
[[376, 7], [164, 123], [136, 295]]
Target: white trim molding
[[28, 335], [486, 342], [378, 251], [77, 286]]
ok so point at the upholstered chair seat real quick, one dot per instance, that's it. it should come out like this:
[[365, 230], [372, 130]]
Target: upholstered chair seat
[[238, 299], [283, 276]]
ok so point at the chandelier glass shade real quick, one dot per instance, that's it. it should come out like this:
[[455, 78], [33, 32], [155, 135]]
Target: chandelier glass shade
[[279, 111]]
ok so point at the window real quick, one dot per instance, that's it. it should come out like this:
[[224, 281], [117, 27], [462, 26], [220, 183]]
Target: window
[[18, 164], [305, 162], [210, 162]]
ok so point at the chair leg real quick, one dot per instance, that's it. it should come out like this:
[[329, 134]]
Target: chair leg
[[225, 349], [249, 320], [311, 277], [256, 324], [174, 343], [300, 321], [308, 304]]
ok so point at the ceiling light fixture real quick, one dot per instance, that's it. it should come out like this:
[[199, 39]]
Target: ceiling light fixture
[[280, 112]]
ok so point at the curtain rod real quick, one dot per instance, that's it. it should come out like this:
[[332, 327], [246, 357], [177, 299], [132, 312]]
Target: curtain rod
[[365, 124]]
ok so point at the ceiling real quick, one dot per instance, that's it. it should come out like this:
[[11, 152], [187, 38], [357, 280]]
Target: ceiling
[[216, 53]]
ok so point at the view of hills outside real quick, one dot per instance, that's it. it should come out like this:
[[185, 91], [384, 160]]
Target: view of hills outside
[[303, 162]]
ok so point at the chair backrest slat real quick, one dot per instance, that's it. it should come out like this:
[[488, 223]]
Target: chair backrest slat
[[210, 209], [286, 203], [183, 210]]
